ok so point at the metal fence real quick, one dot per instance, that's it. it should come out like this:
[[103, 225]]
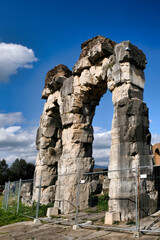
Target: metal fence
[[18, 198], [136, 191], [138, 194]]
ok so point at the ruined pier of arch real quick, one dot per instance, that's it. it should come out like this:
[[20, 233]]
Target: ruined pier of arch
[[65, 134]]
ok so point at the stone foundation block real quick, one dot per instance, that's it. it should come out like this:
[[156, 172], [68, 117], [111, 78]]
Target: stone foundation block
[[75, 227], [52, 211], [36, 220], [110, 217]]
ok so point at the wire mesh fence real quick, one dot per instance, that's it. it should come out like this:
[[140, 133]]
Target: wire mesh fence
[[26, 206], [149, 199], [10, 199], [108, 195], [124, 199]]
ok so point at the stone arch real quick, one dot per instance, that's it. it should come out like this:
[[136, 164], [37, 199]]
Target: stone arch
[[102, 65], [157, 151]]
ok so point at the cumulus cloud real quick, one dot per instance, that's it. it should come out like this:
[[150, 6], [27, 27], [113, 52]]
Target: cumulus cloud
[[102, 140], [8, 119], [101, 146], [98, 129], [16, 142], [13, 57]]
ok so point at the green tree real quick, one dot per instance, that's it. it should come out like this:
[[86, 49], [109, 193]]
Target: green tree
[[4, 172], [21, 169], [30, 170]]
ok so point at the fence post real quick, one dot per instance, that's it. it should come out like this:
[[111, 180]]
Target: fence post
[[39, 197], [8, 188], [137, 200], [4, 195], [19, 193], [77, 204]]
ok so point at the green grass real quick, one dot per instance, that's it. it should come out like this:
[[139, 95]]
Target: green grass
[[1, 200], [116, 223], [10, 216], [89, 211], [102, 204], [31, 210], [131, 222], [102, 220]]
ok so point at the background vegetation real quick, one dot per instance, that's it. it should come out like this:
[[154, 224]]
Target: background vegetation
[[19, 169]]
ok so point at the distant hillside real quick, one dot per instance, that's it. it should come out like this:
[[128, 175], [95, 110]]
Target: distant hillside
[[100, 167]]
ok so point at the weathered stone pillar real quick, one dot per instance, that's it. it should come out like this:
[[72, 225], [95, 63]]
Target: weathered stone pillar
[[130, 134], [49, 134]]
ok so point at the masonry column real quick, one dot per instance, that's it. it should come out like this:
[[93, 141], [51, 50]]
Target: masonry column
[[130, 130], [48, 141]]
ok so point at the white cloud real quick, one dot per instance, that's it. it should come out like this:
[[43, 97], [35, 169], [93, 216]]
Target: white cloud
[[13, 57], [101, 146], [102, 139], [101, 153], [15, 142], [98, 129], [7, 119]]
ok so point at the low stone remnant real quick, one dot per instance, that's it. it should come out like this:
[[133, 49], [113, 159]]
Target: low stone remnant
[[65, 135], [26, 193], [112, 217]]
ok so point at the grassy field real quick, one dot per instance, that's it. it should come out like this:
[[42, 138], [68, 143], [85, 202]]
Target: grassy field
[[25, 213]]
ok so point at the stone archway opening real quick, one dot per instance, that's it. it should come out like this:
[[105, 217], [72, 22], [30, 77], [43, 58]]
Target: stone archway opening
[[102, 124], [157, 151], [102, 65]]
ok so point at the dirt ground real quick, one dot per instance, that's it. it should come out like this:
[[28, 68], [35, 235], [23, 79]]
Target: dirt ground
[[50, 231]]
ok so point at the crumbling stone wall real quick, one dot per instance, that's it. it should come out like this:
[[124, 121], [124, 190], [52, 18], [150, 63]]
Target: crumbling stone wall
[[65, 135], [26, 193]]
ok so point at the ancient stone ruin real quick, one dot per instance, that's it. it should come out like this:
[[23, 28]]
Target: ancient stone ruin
[[65, 135], [156, 153]]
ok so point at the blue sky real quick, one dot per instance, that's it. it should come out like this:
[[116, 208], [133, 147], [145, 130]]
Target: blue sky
[[54, 31]]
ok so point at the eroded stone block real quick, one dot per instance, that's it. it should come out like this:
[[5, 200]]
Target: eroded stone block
[[111, 217]]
